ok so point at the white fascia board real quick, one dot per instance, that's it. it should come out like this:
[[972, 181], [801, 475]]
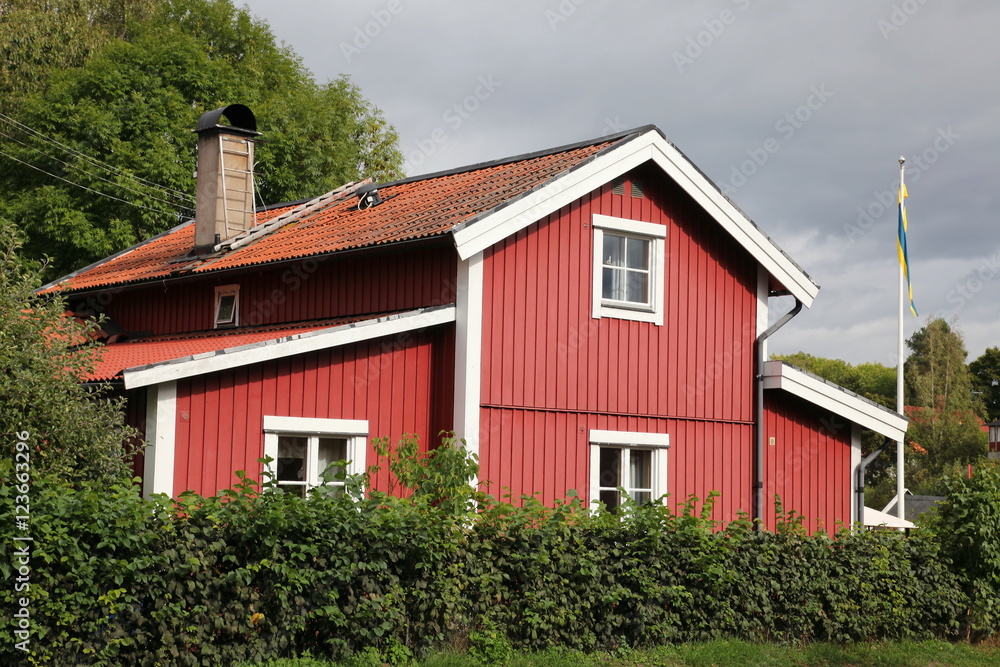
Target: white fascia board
[[482, 234], [778, 375], [323, 339], [476, 237], [734, 221]]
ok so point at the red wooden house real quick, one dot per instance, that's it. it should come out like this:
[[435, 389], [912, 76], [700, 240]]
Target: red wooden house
[[587, 317]]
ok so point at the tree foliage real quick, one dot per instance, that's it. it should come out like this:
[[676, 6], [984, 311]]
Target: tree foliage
[[945, 428], [986, 380], [75, 433], [97, 153]]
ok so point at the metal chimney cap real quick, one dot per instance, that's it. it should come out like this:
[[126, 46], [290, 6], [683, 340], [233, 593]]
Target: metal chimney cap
[[240, 118]]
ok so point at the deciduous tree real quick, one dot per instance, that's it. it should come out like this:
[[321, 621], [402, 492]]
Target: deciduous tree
[[98, 153], [74, 431]]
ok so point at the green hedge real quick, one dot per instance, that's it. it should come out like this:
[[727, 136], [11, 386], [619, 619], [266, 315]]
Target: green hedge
[[116, 580]]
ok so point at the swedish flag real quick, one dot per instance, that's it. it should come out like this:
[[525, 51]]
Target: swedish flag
[[904, 260]]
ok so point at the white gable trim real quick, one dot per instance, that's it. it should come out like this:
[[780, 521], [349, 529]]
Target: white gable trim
[[219, 360], [778, 375], [651, 146]]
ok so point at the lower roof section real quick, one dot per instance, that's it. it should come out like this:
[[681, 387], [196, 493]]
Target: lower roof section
[[836, 399], [175, 358]]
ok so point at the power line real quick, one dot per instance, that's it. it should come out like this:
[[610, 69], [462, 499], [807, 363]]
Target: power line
[[92, 160], [97, 176], [84, 187]]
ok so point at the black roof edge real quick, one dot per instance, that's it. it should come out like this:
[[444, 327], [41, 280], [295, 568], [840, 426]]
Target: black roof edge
[[55, 283]]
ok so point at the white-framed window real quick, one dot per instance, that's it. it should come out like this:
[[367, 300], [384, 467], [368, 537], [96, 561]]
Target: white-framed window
[[303, 449], [227, 306], [628, 269], [626, 461]]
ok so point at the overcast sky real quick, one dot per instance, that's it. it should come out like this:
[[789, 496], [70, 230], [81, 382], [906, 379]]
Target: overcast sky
[[798, 110]]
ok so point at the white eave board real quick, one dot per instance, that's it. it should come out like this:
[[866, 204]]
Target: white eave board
[[311, 341], [779, 375]]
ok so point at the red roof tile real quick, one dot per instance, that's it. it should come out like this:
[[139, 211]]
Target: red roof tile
[[412, 208], [113, 359]]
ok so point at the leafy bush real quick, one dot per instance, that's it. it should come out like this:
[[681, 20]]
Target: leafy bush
[[252, 576], [967, 525]]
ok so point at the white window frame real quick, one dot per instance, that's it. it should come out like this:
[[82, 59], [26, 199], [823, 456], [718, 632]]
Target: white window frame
[[355, 431], [628, 441], [224, 291], [656, 236]]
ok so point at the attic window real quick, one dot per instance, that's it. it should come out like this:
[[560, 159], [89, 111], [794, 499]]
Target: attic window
[[227, 306]]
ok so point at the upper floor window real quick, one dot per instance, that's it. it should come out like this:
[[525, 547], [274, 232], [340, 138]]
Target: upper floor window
[[628, 269], [308, 453], [227, 306], [627, 462]]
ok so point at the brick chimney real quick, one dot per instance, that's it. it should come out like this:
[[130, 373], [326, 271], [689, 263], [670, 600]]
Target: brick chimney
[[224, 204]]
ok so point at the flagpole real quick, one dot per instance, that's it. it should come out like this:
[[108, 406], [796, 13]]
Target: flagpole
[[900, 401]]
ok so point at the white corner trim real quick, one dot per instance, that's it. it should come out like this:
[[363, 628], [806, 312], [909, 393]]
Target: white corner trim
[[778, 375], [311, 341], [469, 351], [637, 438], [483, 233], [763, 291], [855, 463], [161, 422]]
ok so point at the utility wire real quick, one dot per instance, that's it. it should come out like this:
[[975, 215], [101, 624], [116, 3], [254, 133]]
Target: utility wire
[[84, 187], [93, 160], [97, 176]]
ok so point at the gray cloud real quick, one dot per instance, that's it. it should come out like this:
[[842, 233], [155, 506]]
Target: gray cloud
[[901, 73]]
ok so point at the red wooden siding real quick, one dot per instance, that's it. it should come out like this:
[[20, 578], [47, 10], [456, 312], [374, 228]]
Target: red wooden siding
[[135, 416], [390, 382], [809, 465], [542, 348], [543, 351], [548, 452], [314, 288]]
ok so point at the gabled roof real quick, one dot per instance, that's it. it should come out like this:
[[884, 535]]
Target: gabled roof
[[836, 399], [479, 205], [236, 352]]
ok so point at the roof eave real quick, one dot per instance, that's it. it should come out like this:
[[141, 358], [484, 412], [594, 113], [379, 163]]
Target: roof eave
[[630, 151], [830, 396]]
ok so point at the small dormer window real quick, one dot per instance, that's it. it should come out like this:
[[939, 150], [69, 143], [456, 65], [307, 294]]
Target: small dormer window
[[227, 306]]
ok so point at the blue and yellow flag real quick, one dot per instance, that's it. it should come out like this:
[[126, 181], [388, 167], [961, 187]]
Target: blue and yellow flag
[[904, 259]]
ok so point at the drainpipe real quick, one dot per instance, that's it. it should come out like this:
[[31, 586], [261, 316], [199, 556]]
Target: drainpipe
[[859, 482], [758, 459]]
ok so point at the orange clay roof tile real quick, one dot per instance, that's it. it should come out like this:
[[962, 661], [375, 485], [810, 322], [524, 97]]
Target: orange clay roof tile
[[113, 359], [413, 208]]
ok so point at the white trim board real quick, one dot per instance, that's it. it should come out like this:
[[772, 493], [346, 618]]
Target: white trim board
[[161, 425], [469, 352], [651, 146], [311, 341], [779, 375]]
